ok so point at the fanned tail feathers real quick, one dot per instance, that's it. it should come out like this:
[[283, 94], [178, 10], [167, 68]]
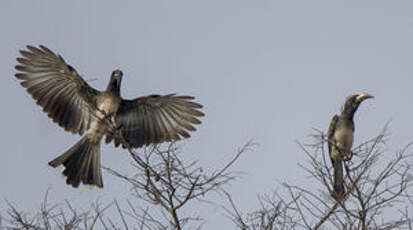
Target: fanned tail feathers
[[82, 163]]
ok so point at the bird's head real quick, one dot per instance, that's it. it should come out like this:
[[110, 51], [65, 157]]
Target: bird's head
[[352, 103], [115, 81]]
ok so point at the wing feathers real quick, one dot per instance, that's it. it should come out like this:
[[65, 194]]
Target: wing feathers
[[56, 87], [156, 119], [330, 133], [169, 126]]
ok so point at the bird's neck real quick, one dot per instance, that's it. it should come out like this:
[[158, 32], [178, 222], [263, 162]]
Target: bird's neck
[[348, 113], [113, 89]]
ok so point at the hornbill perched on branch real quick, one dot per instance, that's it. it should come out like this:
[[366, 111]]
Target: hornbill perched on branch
[[81, 109], [340, 139]]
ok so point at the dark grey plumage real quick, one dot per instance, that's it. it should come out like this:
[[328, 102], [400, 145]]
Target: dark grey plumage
[[340, 139], [78, 108], [82, 163], [156, 119]]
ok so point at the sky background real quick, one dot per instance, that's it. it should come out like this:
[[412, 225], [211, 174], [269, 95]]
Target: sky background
[[270, 71]]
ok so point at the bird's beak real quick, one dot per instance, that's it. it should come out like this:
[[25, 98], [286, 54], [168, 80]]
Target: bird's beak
[[364, 96], [117, 82]]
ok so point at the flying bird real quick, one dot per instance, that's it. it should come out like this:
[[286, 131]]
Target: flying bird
[[340, 139], [78, 108]]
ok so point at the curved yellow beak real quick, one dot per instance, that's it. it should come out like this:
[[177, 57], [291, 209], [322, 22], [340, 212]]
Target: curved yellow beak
[[364, 96]]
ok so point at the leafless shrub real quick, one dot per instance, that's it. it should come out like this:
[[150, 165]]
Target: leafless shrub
[[164, 180], [54, 216], [378, 194]]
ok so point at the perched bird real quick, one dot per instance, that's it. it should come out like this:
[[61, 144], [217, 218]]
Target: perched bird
[[340, 139], [81, 109]]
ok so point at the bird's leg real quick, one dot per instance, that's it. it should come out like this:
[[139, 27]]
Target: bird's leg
[[113, 123], [115, 128], [107, 116], [109, 120], [349, 156], [119, 127]]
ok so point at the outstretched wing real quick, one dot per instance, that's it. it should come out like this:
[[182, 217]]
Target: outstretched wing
[[330, 133], [57, 88], [156, 119]]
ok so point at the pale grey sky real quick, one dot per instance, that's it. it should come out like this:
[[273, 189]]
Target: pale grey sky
[[264, 70]]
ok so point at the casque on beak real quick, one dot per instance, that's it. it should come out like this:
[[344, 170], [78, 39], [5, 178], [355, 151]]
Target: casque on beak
[[363, 96]]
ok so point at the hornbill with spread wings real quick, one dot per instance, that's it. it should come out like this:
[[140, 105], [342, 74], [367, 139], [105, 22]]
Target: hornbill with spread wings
[[77, 107], [340, 139]]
